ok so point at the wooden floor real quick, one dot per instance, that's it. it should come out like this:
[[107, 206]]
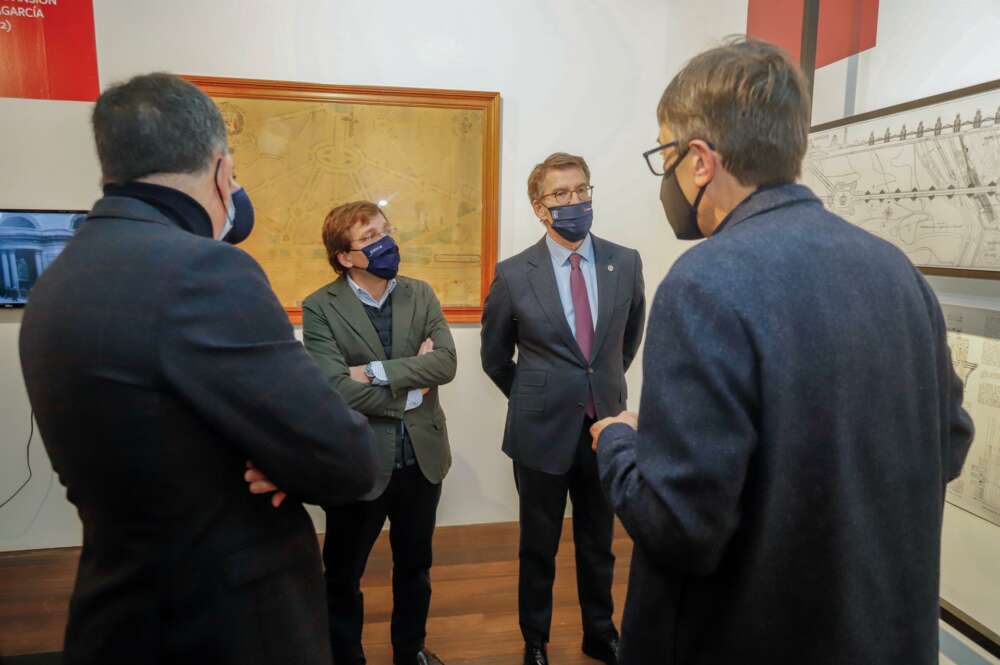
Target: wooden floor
[[473, 611]]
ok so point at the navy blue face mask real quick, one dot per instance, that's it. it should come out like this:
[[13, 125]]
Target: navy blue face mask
[[383, 257], [573, 222], [242, 219]]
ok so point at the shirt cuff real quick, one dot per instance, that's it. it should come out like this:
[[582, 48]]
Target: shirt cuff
[[414, 398], [381, 379]]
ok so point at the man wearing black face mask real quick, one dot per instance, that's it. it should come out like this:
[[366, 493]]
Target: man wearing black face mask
[[383, 343], [159, 362], [800, 415], [573, 307]]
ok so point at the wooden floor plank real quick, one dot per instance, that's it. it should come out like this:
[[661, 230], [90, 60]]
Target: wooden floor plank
[[473, 611]]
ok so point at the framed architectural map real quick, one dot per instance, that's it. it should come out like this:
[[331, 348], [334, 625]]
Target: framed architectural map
[[974, 339], [430, 158], [922, 175]]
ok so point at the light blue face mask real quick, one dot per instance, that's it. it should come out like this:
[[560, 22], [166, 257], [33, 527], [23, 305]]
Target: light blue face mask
[[227, 203], [230, 216], [573, 221]]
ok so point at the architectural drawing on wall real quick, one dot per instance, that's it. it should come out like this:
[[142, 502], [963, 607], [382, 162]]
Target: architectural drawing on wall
[[974, 338], [923, 176]]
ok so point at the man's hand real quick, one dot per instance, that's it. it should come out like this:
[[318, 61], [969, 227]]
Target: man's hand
[[628, 417], [358, 374], [259, 484], [426, 347], [358, 371]]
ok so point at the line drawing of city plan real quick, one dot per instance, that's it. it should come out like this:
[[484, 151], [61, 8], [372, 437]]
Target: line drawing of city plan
[[924, 180], [298, 159], [974, 338]]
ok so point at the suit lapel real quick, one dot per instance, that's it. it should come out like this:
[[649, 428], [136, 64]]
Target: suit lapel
[[607, 290], [542, 278], [402, 317], [350, 309]]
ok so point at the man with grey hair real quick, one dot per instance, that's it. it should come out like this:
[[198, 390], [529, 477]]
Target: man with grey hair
[[163, 373]]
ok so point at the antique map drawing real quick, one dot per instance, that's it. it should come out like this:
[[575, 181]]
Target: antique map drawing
[[974, 338], [426, 164], [925, 179]]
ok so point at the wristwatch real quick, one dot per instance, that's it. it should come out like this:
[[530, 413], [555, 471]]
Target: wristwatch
[[369, 372]]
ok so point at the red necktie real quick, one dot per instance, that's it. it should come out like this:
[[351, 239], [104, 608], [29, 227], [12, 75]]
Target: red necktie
[[584, 322]]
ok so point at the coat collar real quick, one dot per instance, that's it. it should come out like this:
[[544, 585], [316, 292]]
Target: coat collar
[[766, 199], [120, 207], [603, 251], [180, 208], [561, 255], [543, 282], [346, 303]]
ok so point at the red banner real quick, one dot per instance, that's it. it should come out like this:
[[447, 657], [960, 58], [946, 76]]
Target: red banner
[[47, 49], [846, 27]]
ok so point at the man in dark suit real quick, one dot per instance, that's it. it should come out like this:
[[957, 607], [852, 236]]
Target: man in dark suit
[[383, 343], [800, 416], [160, 365], [573, 307]]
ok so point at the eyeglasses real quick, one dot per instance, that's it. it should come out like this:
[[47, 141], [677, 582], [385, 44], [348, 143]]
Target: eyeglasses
[[371, 237], [564, 196], [658, 167], [656, 160]]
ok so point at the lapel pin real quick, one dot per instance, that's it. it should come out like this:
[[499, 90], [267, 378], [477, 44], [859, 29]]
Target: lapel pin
[[611, 268]]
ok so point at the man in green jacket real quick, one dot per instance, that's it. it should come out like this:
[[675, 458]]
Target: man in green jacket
[[383, 343]]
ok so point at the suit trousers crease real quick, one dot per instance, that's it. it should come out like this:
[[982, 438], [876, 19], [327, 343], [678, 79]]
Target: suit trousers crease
[[542, 509], [410, 504]]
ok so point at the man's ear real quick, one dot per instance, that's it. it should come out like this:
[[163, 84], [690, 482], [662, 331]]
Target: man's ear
[[344, 258], [704, 166], [224, 176], [541, 212]]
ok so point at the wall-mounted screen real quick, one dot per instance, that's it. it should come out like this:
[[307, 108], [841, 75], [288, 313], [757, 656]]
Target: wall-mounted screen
[[29, 241]]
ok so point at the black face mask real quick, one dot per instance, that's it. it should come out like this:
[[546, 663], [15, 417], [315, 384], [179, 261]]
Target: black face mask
[[683, 216]]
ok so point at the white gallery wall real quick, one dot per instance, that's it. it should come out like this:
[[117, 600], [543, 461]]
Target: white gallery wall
[[577, 75]]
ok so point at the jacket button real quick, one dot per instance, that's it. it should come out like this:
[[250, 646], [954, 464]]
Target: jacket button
[[579, 403], [590, 370]]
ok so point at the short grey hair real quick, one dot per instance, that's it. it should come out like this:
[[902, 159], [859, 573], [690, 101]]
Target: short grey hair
[[155, 123]]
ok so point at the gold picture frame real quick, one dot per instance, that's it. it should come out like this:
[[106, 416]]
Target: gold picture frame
[[431, 156]]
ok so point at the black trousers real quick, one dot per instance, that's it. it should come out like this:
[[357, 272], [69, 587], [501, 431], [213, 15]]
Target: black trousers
[[543, 506], [410, 503]]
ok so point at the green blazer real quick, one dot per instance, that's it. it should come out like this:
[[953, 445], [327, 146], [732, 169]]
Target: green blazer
[[339, 335]]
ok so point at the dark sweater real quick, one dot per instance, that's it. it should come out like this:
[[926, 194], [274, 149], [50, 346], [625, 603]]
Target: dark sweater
[[382, 321], [799, 420], [175, 204]]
